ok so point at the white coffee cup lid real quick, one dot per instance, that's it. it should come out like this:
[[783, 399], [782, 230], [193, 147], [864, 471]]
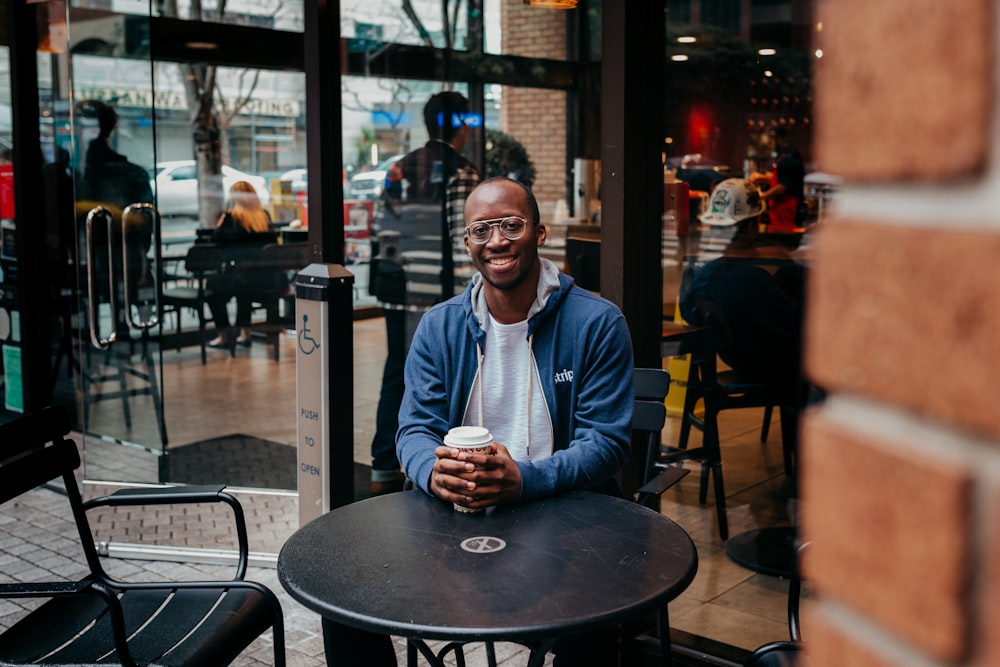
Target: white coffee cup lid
[[468, 436]]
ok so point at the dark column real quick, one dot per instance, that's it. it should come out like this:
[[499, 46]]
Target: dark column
[[324, 157], [323, 122], [33, 283], [632, 175]]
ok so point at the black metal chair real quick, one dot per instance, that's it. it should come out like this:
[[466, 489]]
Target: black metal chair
[[785, 653], [720, 391], [649, 415], [201, 261], [735, 385], [102, 620], [701, 378], [583, 260], [276, 264]]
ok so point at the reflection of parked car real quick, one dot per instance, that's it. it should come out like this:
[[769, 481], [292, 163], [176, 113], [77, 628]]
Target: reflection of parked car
[[369, 184], [297, 177], [175, 185]]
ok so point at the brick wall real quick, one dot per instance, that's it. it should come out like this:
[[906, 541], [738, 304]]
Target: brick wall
[[900, 468], [535, 117]]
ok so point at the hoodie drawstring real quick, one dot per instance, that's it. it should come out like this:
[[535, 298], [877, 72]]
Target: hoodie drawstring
[[527, 406]]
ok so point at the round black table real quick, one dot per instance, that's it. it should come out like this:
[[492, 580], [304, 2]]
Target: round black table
[[409, 565]]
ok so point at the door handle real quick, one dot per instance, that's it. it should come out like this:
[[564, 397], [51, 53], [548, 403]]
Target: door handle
[[102, 218], [141, 282]]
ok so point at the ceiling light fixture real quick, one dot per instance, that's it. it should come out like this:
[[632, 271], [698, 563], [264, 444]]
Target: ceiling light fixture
[[552, 4]]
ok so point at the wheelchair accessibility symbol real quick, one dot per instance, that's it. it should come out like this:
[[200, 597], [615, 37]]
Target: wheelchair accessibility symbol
[[307, 343]]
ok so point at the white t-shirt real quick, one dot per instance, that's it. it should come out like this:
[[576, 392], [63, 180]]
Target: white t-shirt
[[510, 393]]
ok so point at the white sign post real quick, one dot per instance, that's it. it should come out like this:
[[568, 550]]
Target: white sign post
[[323, 360]]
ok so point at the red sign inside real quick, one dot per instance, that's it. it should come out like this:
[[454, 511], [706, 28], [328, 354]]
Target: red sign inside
[[7, 191]]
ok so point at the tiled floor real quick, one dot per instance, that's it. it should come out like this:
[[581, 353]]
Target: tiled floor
[[254, 395]]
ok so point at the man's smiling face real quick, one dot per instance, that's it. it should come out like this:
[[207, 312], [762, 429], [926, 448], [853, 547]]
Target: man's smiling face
[[504, 264]]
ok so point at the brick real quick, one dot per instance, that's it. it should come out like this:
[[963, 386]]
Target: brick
[[536, 118], [904, 315], [989, 586], [828, 647], [904, 89], [533, 32], [890, 533]]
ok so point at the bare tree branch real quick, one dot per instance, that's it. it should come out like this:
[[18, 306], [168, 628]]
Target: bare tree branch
[[417, 23], [227, 115], [210, 117], [454, 23], [445, 24]]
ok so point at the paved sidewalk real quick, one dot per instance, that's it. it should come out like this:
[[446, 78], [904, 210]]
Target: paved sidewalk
[[38, 540]]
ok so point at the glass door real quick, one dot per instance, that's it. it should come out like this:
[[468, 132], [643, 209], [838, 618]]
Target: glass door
[[229, 368], [96, 129], [152, 150]]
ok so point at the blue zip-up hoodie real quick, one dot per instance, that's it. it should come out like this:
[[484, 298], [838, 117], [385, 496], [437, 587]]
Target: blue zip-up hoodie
[[583, 352]]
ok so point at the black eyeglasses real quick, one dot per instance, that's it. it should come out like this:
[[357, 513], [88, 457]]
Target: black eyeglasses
[[511, 227]]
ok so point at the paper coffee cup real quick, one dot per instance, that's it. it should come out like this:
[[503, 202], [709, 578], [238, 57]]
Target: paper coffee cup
[[471, 440]]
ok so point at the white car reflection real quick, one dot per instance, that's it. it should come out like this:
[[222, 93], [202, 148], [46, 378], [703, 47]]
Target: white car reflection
[[369, 184], [298, 179], [175, 185]]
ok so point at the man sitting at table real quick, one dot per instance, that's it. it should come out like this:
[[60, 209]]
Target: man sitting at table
[[543, 364]]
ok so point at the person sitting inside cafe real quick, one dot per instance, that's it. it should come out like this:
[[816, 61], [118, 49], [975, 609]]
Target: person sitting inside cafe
[[246, 225], [784, 196], [543, 364], [758, 286]]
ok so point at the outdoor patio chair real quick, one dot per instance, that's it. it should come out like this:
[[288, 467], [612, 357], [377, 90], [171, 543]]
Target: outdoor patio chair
[[98, 619]]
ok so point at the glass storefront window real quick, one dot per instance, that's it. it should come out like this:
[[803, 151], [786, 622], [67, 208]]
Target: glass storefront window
[[275, 14], [737, 104], [261, 135], [260, 115], [382, 120], [5, 110], [11, 386], [368, 26]]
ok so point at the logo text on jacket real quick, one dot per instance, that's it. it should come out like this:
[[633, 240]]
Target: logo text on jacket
[[564, 376]]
